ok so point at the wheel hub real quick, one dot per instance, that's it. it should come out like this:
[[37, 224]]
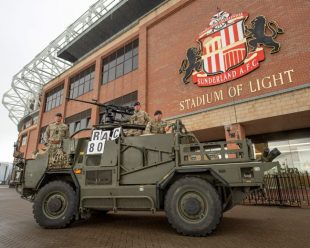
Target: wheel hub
[[54, 204], [192, 206]]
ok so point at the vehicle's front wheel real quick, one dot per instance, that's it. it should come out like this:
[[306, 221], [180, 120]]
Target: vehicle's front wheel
[[55, 205], [193, 206]]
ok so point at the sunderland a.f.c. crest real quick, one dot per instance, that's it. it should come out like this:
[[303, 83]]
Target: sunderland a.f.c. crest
[[228, 49]]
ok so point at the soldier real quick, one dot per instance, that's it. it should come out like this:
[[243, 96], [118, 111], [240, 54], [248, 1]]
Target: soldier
[[157, 126], [139, 117], [53, 137], [55, 133]]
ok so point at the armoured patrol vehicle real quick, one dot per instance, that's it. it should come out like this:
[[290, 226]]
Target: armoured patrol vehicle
[[193, 182]]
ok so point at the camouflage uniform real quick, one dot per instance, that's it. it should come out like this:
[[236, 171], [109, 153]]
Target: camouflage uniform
[[53, 137], [156, 127], [139, 117]]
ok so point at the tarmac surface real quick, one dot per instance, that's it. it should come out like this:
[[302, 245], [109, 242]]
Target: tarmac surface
[[243, 226]]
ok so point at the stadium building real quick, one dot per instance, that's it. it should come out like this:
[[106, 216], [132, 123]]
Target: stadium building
[[228, 70]]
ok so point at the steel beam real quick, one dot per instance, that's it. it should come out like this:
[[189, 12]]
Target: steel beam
[[28, 82]]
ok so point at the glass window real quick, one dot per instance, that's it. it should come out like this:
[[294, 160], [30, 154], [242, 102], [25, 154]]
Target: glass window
[[54, 103], [87, 77], [57, 101], [294, 146], [83, 123], [92, 74], [71, 128], [35, 119], [75, 92], [105, 77], [78, 121], [135, 47], [28, 123], [82, 83], [135, 62], [42, 132], [123, 61], [112, 60], [77, 126], [106, 64], [128, 66], [24, 140], [47, 105], [54, 98], [120, 56], [91, 84], [88, 124], [81, 89], [112, 74], [101, 118], [128, 51], [119, 70], [295, 153], [87, 86], [82, 80]]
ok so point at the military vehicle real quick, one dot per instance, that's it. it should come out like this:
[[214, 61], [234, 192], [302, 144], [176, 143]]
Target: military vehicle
[[193, 182]]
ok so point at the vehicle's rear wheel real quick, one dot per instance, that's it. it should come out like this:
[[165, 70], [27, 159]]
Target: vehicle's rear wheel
[[193, 206], [55, 205]]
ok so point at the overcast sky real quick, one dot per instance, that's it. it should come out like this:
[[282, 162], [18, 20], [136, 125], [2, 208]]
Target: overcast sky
[[26, 28]]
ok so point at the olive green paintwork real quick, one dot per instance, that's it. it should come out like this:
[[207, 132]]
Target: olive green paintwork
[[135, 172]]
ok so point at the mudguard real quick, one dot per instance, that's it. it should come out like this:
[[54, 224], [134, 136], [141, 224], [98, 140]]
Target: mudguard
[[168, 178]]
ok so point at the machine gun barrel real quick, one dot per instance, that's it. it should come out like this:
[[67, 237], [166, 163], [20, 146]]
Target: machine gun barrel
[[110, 109], [119, 109]]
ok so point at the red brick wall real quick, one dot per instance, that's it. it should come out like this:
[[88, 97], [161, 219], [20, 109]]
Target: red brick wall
[[32, 142], [119, 87], [164, 37], [169, 39]]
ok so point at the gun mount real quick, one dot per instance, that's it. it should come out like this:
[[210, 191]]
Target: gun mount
[[111, 111]]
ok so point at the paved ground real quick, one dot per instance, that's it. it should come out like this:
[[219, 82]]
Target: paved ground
[[244, 226]]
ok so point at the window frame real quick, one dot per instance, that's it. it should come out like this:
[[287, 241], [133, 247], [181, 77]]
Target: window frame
[[42, 132], [78, 121], [54, 98], [121, 62], [125, 100], [78, 83], [24, 139]]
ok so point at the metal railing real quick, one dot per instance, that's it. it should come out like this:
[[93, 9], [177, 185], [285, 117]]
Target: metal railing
[[217, 152], [285, 188]]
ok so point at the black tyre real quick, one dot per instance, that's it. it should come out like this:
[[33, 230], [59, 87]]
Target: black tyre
[[55, 205], [193, 206]]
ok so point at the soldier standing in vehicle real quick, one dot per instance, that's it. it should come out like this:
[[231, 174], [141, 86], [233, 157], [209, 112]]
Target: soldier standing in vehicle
[[55, 133], [139, 117], [157, 126]]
